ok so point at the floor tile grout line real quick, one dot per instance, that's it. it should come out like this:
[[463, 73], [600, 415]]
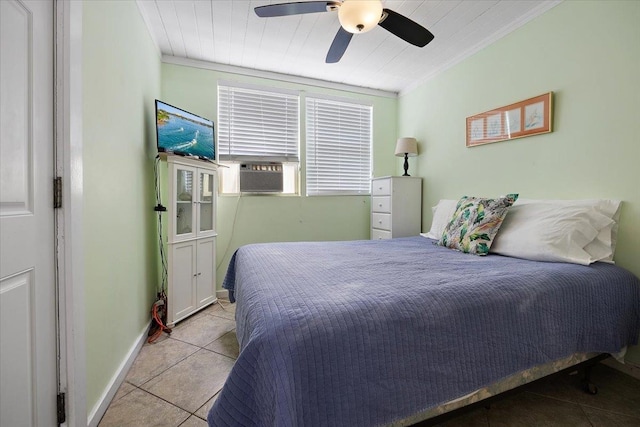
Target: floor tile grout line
[[183, 359], [610, 411], [199, 346], [221, 354], [180, 407], [126, 394], [552, 397], [196, 349], [214, 395], [165, 370], [581, 404], [586, 415], [207, 344], [207, 313], [219, 317], [165, 400], [172, 366]]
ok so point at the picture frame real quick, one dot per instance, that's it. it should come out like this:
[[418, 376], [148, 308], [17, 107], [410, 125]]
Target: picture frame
[[532, 116]]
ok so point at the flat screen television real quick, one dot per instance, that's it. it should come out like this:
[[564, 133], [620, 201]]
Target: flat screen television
[[183, 133]]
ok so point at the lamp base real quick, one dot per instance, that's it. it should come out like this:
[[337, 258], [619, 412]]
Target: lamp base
[[406, 164]]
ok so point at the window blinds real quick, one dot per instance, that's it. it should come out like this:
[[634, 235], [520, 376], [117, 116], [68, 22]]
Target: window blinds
[[338, 147], [257, 123]]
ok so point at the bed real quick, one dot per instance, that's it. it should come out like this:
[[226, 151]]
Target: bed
[[366, 333]]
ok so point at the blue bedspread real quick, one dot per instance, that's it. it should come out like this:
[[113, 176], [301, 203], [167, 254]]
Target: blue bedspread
[[366, 333]]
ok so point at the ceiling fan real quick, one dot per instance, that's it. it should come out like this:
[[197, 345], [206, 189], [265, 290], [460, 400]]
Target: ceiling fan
[[356, 16]]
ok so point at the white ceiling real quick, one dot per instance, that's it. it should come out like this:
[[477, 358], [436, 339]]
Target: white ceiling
[[230, 33]]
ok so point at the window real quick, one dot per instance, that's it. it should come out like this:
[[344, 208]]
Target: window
[[256, 124], [338, 147]]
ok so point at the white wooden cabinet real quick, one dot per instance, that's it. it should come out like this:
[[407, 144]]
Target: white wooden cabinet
[[192, 195], [191, 277], [396, 207], [192, 237]]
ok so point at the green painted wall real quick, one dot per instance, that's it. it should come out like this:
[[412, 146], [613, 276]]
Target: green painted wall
[[592, 152], [253, 219], [588, 54], [121, 78]]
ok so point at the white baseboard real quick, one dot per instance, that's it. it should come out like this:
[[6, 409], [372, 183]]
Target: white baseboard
[[98, 411], [222, 294], [626, 368]]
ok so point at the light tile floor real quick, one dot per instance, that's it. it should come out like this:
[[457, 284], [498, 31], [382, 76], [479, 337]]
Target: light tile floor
[[174, 382]]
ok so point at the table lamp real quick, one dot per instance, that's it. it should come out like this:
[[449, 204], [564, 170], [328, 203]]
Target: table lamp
[[406, 147]]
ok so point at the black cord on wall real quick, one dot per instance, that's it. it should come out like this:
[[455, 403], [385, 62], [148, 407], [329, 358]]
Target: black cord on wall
[[160, 209]]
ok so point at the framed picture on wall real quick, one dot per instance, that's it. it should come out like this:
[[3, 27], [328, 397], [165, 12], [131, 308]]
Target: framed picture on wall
[[529, 117]]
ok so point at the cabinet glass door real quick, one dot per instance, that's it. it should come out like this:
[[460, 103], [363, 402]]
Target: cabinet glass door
[[206, 202], [184, 201]]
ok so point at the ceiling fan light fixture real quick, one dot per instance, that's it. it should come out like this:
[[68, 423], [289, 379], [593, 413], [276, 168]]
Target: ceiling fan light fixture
[[359, 16]]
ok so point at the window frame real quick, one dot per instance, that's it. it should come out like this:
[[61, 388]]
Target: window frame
[[365, 189], [291, 134], [230, 161]]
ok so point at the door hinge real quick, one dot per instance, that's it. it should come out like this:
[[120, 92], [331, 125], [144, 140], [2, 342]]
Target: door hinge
[[57, 192], [62, 415]]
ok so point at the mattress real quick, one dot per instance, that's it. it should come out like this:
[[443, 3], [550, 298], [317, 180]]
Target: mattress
[[374, 332]]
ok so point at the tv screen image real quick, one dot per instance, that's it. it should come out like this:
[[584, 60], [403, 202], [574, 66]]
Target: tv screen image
[[183, 133]]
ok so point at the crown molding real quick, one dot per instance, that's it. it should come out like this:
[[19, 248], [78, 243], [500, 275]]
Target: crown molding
[[232, 69], [533, 13]]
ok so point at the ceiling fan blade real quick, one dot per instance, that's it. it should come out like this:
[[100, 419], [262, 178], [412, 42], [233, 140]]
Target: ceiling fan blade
[[294, 8], [405, 28], [338, 46]]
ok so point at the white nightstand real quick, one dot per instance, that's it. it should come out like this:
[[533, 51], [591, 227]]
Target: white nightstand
[[396, 207]]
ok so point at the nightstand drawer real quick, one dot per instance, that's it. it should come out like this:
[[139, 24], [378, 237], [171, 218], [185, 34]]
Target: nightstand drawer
[[396, 203], [380, 234], [381, 204], [381, 221], [381, 187]]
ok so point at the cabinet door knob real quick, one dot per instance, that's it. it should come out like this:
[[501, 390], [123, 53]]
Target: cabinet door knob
[[380, 204], [380, 222]]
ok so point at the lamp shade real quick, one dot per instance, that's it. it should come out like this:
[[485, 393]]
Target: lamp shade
[[359, 16], [408, 146]]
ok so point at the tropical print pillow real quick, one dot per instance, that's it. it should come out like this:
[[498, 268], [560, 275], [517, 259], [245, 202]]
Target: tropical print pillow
[[475, 223]]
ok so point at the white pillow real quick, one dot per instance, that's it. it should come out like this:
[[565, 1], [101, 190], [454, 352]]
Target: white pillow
[[557, 231], [442, 214], [603, 247]]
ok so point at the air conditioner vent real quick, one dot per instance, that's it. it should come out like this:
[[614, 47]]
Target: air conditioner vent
[[261, 177]]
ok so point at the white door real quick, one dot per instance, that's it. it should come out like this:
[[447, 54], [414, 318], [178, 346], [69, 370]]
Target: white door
[[182, 267], [205, 271], [28, 379]]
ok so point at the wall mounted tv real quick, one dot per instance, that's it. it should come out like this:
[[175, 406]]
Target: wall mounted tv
[[184, 133]]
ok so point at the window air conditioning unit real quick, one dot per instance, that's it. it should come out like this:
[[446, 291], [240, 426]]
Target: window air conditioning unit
[[261, 177]]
